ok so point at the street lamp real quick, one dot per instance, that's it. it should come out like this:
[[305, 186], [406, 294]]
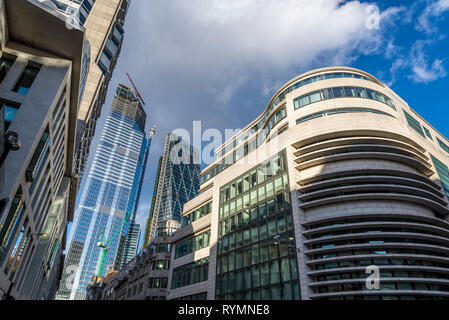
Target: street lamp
[[43, 235]]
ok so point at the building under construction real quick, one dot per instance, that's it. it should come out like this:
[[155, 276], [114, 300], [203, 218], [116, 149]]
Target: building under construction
[[105, 217]]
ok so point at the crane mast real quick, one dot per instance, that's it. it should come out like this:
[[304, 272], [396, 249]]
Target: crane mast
[[135, 88]]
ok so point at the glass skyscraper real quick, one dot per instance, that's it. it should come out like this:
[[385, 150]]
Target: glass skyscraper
[[108, 200], [177, 182]]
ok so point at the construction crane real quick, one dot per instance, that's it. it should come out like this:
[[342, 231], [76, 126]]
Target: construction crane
[[104, 245], [135, 88]]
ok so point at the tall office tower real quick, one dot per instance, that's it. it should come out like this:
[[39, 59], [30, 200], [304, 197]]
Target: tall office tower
[[104, 21], [128, 246], [177, 182], [42, 65], [337, 174], [107, 203]]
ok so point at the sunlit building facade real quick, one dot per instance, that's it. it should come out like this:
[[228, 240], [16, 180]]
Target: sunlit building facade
[[41, 68], [336, 175], [107, 203], [104, 22]]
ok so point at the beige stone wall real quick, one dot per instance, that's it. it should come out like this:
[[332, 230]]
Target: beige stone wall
[[395, 128]]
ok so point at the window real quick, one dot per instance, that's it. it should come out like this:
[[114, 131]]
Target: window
[[26, 79], [443, 173], [9, 224], [5, 66], [338, 111], [38, 157], [190, 273], [199, 213], [443, 146], [256, 260], [414, 124], [428, 134], [9, 113], [192, 244], [340, 92], [267, 124]]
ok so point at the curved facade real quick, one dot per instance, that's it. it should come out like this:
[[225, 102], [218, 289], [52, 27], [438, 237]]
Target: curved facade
[[365, 181]]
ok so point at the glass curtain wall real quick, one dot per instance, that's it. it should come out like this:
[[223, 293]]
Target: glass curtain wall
[[256, 256]]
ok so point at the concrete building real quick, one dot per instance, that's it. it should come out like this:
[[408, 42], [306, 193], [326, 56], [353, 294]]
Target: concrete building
[[145, 277], [105, 32], [177, 181], [104, 23], [107, 204], [337, 174], [42, 63]]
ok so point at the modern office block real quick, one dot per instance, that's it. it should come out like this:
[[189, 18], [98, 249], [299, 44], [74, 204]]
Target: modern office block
[[128, 246], [177, 182], [41, 68], [337, 177], [145, 277], [104, 23], [107, 203]]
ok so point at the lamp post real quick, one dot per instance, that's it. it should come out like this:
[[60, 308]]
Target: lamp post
[[43, 235]]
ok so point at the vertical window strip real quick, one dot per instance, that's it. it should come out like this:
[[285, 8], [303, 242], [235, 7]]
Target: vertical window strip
[[414, 124], [443, 173]]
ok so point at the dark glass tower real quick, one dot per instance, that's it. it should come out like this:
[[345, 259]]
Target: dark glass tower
[[177, 182]]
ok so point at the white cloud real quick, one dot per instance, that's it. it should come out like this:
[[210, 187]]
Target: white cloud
[[418, 64], [216, 47], [219, 61], [433, 10], [423, 70]]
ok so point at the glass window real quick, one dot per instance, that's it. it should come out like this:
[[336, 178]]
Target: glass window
[[361, 92], [5, 66], [261, 193], [253, 177], [303, 101], [239, 259], [246, 183], [253, 196], [315, 97], [270, 189], [255, 276], [264, 274], [26, 79], [274, 272], [246, 201], [263, 251], [327, 94], [9, 113], [338, 92], [271, 226], [263, 230], [350, 92]]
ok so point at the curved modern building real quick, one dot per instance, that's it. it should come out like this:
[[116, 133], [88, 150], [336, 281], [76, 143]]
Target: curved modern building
[[336, 175]]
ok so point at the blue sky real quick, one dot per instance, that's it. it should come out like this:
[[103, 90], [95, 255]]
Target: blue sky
[[220, 61]]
